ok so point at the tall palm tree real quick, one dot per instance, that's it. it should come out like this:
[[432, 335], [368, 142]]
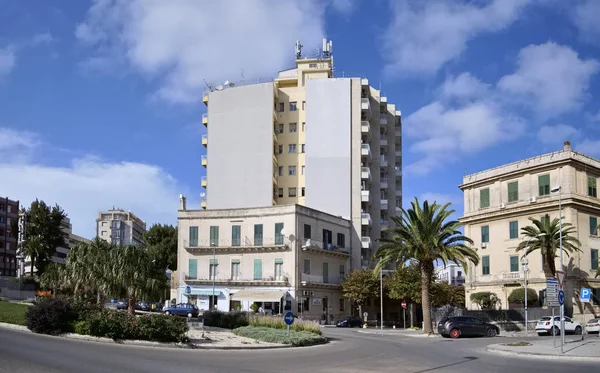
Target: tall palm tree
[[423, 235], [32, 248], [544, 235], [87, 267]]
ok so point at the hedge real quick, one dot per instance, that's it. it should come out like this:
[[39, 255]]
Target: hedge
[[227, 320], [272, 335], [52, 316], [233, 320]]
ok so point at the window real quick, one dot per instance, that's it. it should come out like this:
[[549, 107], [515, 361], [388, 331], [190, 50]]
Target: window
[[291, 170], [103, 233], [341, 240], [594, 259], [236, 234], [325, 273], [484, 198], [592, 191], [303, 148], [292, 192], [258, 268], [307, 233], [235, 269], [303, 126], [342, 303], [9, 208], [342, 272], [1, 219], [212, 269], [485, 233], [193, 269], [293, 106], [214, 236], [514, 229], [278, 269], [303, 168], [327, 237], [303, 305], [593, 226], [258, 234], [278, 234], [513, 191], [292, 148], [281, 106], [193, 236], [303, 105], [544, 185], [544, 218], [306, 269], [514, 263], [293, 127], [280, 170], [280, 149], [485, 265], [303, 192], [280, 192], [1, 207]]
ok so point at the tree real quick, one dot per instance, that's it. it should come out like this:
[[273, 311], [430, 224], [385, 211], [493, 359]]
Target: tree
[[88, 268], [405, 284], [161, 243], [485, 300], [359, 286], [518, 296], [443, 293], [544, 236], [423, 235]]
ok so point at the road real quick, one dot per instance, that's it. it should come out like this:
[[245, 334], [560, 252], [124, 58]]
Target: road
[[349, 351]]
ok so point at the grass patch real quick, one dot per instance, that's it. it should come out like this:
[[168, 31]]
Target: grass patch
[[277, 322], [271, 335], [518, 344], [12, 313]]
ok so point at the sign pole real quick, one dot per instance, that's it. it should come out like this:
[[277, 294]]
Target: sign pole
[[583, 325], [404, 318], [553, 326], [288, 330]]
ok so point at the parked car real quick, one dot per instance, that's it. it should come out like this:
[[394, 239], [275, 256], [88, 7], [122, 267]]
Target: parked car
[[546, 326], [182, 309], [349, 322], [121, 305], [593, 326], [142, 306], [466, 326]]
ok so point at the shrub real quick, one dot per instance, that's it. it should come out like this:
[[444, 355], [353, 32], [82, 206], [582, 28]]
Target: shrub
[[161, 328], [85, 309], [518, 296], [12, 313], [277, 322], [280, 336], [227, 320], [50, 316], [485, 300], [81, 327]]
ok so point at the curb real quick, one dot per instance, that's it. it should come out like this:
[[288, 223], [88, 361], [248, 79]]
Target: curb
[[416, 335], [534, 355]]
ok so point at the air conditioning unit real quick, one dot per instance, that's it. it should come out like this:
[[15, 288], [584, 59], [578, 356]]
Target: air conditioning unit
[[484, 245], [532, 199], [502, 206], [307, 242]]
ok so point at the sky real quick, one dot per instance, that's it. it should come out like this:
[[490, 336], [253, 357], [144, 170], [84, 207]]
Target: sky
[[101, 101]]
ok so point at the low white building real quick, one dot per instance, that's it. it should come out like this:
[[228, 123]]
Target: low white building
[[451, 273], [282, 258]]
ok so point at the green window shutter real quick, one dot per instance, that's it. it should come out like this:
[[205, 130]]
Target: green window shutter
[[593, 226], [258, 235], [258, 269], [235, 261], [592, 191], [485, 234], [214, 236], [278, 235], [485, 265], [214, 261], [278, 261], [514, 229], [325, 273], [544, 185], [236, 233], [193, 236], [484, 198], [514, 264], [594, 259], [193, 268], [513, 191]]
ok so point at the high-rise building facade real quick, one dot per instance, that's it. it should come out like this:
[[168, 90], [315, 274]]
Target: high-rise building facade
[[9, 212], [120, 227], [309, 138]]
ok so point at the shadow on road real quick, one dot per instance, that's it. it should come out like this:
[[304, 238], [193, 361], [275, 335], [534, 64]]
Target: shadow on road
[[466, 359]]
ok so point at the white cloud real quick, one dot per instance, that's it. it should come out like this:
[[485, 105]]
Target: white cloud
[[343, 6], [424, 35], [43, 38], [89, 185], [183, 42], [17, 146], [7, 60], [552, 77], [589, 147], [464, 86], [557, 134], [585, 17]]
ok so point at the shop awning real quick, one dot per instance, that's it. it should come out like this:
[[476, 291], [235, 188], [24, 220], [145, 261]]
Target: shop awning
[[259, 295]]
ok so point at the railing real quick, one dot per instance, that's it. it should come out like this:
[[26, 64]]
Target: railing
[[203, 179], [365, 172], [365, 104], [366, 217], [365, 149], [383, 141], [383, 120], [365, 126], [398, 133], [366, 241], [383, 180], [226, 278], [267, 241], [320, 279], [512, 275], [242, 83]]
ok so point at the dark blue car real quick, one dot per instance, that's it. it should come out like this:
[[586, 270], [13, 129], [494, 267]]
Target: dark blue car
[[182, 309]]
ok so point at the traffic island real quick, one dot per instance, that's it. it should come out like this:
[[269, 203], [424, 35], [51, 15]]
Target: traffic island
[[586, 350]]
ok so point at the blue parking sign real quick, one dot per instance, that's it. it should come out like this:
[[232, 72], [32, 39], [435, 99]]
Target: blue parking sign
[[585, 295]]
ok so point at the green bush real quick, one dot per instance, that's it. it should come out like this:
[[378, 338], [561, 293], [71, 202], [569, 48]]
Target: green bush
[[50, 316], [227, 320], [277, 322], [271, 335], [518, 296], [162, 328], [85, 309], [81, 327], [12, 313]]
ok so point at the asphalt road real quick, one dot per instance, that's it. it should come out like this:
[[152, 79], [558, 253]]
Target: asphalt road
[[348, 352]]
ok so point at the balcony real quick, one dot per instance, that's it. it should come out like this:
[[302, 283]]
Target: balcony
[[275, 177], [398, 210], [364, 196], [203, 203], [204, 161], [398, 132], [384, 182], [365, 104], [205, 140], [237, 280], [243, 245], [365, 242], [383, 203], [383, 141], [203, 182], [383, 100], [383, 162], [364, 82], [313, 246], [205, 119], [205, 98], [365, 150], [365, 127], [512, 275], [383, 120], [398, 153], [320, 280], [365, 219], [365, 173]]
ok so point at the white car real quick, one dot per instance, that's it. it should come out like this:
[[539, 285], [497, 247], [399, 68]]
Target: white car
[[546, 326], [593, 326]]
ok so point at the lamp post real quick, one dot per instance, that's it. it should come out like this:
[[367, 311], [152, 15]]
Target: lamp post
[[213, 268], [381, 293], [562, 307], [524, 263]]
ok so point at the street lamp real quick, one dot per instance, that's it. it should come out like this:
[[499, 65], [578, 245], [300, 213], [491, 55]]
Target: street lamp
[[524, 263], [562, 307], [213, 268], [381, 292]]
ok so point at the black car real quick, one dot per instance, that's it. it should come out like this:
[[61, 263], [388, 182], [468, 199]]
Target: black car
[[466, 326], [350, 322], [142, 306]]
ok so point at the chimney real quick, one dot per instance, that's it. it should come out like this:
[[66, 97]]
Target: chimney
[[181, 202], [567, 146]]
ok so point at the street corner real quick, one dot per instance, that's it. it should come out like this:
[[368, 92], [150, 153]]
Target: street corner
[[580, 351]]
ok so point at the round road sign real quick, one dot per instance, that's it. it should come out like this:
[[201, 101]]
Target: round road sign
[[365, 314], [561, 297], [403, 304], [289, 318]]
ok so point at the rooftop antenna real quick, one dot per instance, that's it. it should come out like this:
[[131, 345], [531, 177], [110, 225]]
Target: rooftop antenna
[[327, 48], [298, 50], [242, 74], [208, 85]]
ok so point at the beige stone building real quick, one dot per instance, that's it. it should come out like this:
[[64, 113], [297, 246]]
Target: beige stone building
[[498, 202], [120, 227], [274, 256]]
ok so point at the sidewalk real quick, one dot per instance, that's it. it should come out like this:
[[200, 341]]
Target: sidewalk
[[577, 350], [399, 332]]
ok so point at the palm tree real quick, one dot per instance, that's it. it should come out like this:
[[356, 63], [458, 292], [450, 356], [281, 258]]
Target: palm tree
[[544, 235], [423, 235], [32, 248], [87, 267]]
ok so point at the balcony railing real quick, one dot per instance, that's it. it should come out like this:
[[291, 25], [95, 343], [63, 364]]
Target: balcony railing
[[384, 182], [365, 173], [365, 150], [365, 242], [512, 275], [309, 243], [383, 162], [383, 142], [365, 219], [365, 104], [320, 279], [227, 278], [383, 120], [364, 196], [365, 126]]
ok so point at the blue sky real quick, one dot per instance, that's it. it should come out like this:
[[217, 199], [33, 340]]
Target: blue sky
[[100, 101]]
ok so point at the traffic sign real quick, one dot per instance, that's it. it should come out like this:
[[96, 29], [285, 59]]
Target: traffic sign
[[561, 297], [552, 288], [403, 304], [289, 318], [561, 278], [585, 295], [365, 314]]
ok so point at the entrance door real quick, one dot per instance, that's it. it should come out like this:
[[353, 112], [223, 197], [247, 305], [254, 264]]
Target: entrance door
[[326, 310]]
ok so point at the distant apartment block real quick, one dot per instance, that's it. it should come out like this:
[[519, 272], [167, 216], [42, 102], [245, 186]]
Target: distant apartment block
[[9, 212], [120, 227], [450, 273]]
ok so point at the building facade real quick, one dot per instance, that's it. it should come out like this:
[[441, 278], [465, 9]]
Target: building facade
[[499, 202], [451, 273], [308, 138], [280, 257], [120, 227], [9, 212]]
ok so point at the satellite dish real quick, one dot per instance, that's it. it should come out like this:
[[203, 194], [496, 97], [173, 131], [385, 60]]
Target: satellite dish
[[202, 194], [282, 231], [227, 82], [292, 237], [219, 88], [231, 84]]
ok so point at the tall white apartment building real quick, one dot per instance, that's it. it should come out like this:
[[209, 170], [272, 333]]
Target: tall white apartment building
[[309, 138], [120, 227]]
